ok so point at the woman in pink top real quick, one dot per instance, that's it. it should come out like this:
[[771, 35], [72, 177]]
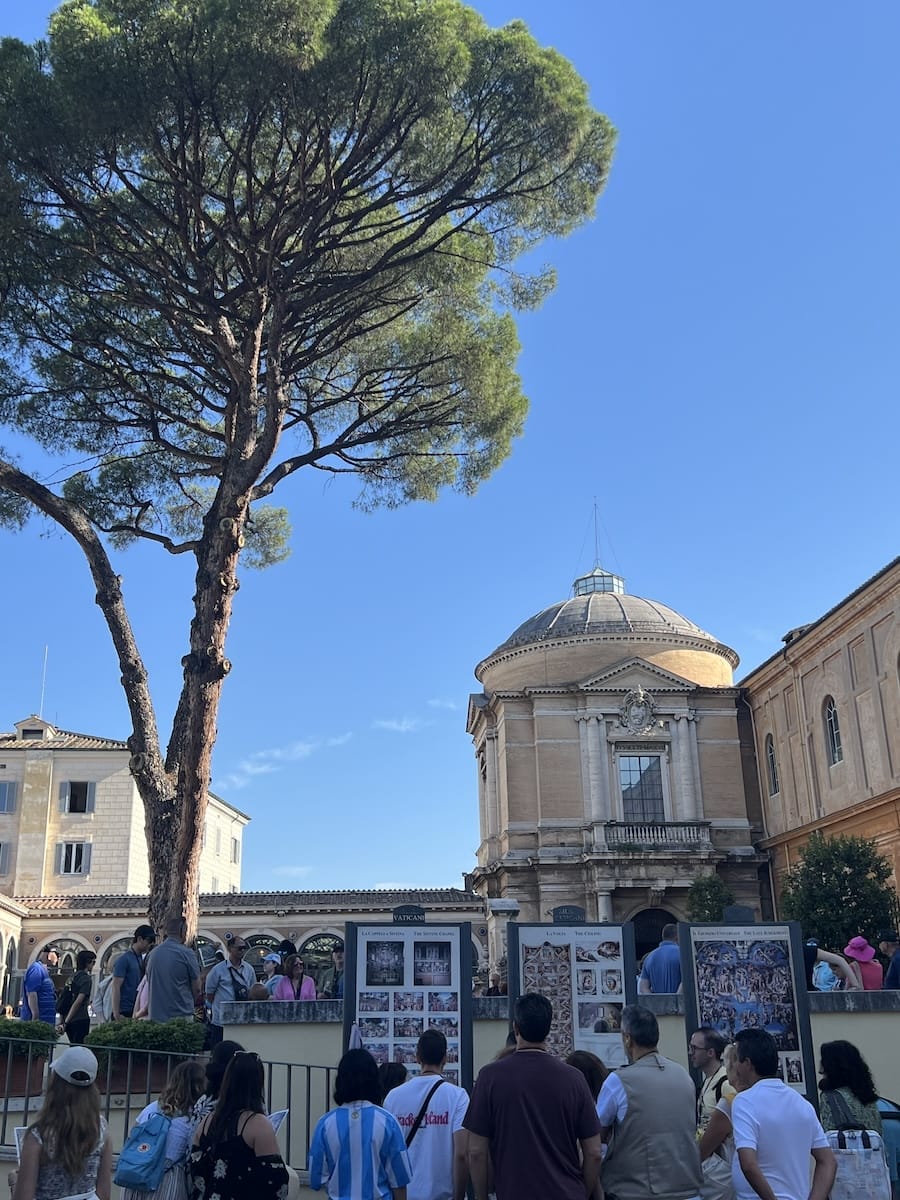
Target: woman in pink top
[[294, 984], [871, 973]]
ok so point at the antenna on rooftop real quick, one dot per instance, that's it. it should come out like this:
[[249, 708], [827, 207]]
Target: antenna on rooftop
[[596, 535], [43, 682]]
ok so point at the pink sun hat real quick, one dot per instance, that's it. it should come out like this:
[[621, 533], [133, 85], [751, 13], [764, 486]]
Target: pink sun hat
[[859, 949]]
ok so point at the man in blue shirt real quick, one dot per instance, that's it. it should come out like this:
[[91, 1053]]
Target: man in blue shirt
[[38, 992], [662, 967], [129, 971], [889, 945]]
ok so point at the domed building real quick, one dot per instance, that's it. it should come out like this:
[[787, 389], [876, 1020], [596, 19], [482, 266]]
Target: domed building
[[616, 765]]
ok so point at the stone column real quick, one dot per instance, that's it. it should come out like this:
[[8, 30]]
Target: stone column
[[491, 795], [695, 763], [684, 808], [604, 907]]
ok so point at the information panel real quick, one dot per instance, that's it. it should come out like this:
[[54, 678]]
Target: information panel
[[751, 977], [403, 979], [588, 974]]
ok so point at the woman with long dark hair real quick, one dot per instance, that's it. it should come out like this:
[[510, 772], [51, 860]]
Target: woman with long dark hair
[[216, 1067], [235, 1154], [359, 1140], [846, 1086]]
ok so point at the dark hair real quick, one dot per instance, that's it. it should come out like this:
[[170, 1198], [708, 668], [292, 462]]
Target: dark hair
[[533, 1016], [590, 1066], [84, 958], [357, 1078], [713, 1040], [286, 946], [391, 1075], [844, 1067], [219, 1059], [290, 962], [431, 1048], [669, 933], [147, 932], [241, 1091], [640, 1024], [760, 1048]]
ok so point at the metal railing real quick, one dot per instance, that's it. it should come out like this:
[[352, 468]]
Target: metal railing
[[130, 1079]]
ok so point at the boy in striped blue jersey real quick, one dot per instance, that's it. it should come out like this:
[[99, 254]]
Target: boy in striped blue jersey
[[358, 1151]]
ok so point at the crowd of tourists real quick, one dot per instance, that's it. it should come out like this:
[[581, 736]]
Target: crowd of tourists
[[539, 1127], [163, 982]]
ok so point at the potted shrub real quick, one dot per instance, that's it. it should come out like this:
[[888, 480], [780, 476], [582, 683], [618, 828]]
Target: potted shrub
[[24, 1046], [151, 1048]]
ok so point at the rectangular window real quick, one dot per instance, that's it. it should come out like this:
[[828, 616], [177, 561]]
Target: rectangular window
[[214, 885], [218, 840], [640, 778], [73, 858], [4, 857], [7, 797], [77, 797], [235, 850]]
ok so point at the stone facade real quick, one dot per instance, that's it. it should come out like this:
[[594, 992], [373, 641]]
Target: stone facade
[[72, 822], [826, 720], [611, 760]]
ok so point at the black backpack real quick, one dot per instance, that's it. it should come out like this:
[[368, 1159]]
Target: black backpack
[[66, 1000]]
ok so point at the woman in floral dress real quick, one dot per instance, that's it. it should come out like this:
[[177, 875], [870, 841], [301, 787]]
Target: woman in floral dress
[[235, 1155]]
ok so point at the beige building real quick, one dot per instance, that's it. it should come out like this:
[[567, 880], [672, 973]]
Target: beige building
[[614, 766], [826, 719], [72, 822]]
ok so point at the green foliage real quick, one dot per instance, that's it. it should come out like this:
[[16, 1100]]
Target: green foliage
[[839, 889], [707, 897], [181, 1036], [18, 1034], [287, 229]]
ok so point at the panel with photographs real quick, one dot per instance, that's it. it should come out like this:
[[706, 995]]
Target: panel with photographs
[[585, 972], [752, 977], [408, 980]]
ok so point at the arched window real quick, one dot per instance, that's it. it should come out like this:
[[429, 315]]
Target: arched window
[[772, 766], [316, 954], [832, 732], [112, 952], [260, 944]]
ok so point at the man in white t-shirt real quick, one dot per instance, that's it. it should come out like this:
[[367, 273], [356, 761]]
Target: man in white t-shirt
[[775, 1130], [437, 1150]]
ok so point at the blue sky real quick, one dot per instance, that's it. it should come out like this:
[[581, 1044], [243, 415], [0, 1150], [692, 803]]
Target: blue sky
[[718, 366]]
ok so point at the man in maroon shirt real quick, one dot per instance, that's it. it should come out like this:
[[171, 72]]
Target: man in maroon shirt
[[530, 1114]]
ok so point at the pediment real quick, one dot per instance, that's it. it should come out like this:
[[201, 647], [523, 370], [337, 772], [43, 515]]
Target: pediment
[[634, 673]]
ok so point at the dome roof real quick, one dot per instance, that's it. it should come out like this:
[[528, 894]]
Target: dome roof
[[600, 607], [604, 613]]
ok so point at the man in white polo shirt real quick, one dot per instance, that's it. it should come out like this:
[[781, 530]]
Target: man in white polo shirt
[[437, 1147], [775, 1130]]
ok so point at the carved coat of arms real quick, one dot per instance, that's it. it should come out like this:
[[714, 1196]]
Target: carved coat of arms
[[636, 713]]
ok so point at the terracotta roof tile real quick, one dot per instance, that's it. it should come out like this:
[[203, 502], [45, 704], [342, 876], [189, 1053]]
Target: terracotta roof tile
[[251, 902]]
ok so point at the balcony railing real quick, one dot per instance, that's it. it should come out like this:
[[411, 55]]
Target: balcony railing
[[129, 1079], [670, 835]]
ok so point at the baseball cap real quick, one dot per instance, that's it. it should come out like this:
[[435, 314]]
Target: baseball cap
[[888, 935], [77, 1065], [859, 949], [275, 958]]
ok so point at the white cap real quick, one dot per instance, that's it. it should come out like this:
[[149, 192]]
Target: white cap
[[77, 1065]]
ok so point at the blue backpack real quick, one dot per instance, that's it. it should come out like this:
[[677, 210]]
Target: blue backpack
[[142, 1161], [824, 979]]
